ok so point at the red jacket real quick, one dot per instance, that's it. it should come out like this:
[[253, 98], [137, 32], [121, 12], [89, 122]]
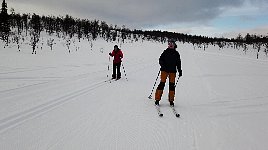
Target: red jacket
[[118, 55]]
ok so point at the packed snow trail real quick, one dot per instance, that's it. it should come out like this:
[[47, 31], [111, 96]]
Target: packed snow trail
[[222, 101]]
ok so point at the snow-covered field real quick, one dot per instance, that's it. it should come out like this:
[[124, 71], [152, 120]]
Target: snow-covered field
[[56, 100]]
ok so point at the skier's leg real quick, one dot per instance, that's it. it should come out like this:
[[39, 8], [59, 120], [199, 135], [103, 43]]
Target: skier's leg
[[161, 86], [118, 70], [171, 94], [114, 71]]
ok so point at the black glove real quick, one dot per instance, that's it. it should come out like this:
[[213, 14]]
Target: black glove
[[180, 73], [110, 54]]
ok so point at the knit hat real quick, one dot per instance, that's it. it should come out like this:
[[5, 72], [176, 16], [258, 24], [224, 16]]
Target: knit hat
[[173, 41]]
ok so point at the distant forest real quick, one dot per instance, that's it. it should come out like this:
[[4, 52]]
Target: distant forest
[[13, 25]]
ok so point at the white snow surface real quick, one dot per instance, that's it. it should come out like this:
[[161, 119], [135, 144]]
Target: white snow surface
[[55, 100]]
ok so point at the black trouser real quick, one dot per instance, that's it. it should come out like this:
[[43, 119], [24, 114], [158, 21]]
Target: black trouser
[[116, 70]]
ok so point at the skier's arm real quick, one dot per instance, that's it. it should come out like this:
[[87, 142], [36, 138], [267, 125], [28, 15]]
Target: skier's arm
[[121, 54], [112, 53], [161, 61], [179, 65]]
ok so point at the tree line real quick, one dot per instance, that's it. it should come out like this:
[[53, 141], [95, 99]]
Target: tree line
[[12, 25]]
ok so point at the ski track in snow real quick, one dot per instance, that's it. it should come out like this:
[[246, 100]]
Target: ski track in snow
[[16, 119]]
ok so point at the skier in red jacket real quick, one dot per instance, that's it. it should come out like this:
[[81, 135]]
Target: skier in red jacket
[[118, 55]]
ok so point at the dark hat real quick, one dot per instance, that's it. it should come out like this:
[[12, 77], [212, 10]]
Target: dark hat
[[115, 46], [173, 41]]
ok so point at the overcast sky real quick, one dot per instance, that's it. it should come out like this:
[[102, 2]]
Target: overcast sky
[[202, 17]]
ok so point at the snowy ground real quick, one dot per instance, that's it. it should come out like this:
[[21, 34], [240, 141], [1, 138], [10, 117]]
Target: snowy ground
[[55, 100]]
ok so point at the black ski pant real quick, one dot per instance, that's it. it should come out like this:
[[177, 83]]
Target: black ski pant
[[116, 70]]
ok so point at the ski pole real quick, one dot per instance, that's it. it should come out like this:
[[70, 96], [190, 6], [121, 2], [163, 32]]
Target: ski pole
[[150, 96], [109, 66], [124, 71], [177, 81]]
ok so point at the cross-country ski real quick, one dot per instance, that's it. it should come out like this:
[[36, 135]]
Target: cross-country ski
[[175, 111], [160, 114]]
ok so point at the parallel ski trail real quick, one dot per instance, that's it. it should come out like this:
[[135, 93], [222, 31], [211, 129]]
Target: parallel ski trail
[[19, 118]]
